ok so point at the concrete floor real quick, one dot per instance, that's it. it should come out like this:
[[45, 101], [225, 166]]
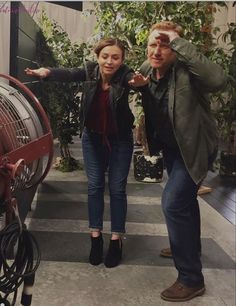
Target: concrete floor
[[59, 221]]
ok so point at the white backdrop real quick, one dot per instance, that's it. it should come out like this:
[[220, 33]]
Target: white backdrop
[[78, 27], [4, 37]]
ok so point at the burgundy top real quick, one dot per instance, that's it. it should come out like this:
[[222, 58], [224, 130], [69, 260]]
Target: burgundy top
[[100, 118]]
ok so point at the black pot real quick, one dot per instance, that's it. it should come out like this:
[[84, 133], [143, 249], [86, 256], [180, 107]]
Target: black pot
[[148, 169], [227, 164]]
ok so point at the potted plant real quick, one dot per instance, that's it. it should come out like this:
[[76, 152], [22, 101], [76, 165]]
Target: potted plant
[[228, 157], [148, 169], [61, 100], [226, 110]]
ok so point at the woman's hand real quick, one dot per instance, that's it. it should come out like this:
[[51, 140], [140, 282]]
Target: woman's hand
[[139, 80], [41, 72]]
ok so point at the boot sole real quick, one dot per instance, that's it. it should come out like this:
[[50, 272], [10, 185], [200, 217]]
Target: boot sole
[[93, 263], [193, 295], [165, 255]]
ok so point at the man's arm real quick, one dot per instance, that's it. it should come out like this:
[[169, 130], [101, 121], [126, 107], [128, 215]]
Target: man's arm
[[210, 75]]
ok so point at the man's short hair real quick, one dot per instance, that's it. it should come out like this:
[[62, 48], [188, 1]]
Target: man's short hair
[[167, 25]]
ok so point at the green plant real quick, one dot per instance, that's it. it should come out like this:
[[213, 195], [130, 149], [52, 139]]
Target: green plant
[[226, 103], [61, 100], [67, 164], [140, 129]]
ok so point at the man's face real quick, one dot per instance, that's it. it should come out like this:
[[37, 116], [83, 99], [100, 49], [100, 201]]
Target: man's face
[[160, 55]]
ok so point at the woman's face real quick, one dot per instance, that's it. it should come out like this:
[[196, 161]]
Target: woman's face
[[109, 60]]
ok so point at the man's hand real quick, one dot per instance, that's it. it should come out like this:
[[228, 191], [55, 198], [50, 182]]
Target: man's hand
[[139, 80], [170, 34], [41, 72]]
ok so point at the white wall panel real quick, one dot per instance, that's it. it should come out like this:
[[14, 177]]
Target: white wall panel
[[78, 27], [225, 16], [4, 36]]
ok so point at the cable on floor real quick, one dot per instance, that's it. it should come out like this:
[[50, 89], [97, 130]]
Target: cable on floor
[[19, 259]]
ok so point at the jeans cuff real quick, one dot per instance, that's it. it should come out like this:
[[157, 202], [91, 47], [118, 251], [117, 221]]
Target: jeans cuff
[[93, 229], [117, 233]]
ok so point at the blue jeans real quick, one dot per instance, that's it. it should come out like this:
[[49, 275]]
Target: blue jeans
[[181, 210], [98, 157]]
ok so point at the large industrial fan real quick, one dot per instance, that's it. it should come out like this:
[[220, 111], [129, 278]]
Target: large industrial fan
[[26, 152]]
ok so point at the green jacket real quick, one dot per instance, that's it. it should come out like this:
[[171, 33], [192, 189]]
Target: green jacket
[[193, 77]]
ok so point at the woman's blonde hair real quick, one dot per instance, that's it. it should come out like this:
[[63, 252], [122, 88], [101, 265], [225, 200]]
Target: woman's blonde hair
[[167, 25]]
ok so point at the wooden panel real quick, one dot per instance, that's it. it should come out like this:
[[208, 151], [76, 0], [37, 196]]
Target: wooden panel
[[223, 195]]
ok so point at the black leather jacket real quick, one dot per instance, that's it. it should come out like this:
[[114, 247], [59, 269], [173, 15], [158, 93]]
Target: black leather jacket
[[90, 78]]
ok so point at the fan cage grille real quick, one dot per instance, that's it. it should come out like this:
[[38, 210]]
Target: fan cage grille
[[14, 134], [12, 125]]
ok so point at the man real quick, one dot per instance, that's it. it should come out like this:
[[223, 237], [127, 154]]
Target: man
[[176, 80]]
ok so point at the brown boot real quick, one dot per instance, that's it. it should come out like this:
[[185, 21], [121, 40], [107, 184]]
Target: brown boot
[[166, 253], [180, 293], [203, 190]]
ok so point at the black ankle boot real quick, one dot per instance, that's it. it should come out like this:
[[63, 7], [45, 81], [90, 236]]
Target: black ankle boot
[[96, 253], [114, 253]]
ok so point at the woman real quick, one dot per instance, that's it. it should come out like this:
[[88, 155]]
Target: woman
[[107, 141]]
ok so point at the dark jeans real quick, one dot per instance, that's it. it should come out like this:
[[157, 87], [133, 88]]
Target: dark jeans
[[181, 210], [99, 158]]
